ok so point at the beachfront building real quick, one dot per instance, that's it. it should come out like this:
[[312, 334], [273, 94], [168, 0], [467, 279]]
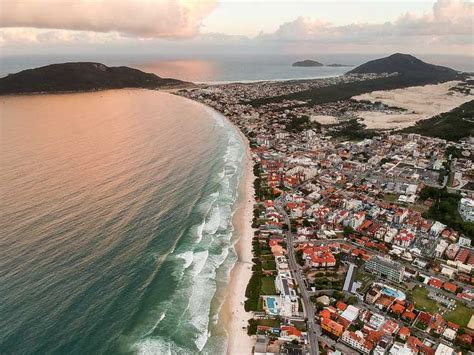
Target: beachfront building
[[386, 268], [288, 305]]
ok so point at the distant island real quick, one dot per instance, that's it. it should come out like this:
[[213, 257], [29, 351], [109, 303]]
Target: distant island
[[80, 76], [335, 65], [313, 63], [307, 63]]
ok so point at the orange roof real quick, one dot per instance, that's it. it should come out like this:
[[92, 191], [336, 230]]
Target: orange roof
[[374, 336], [448, 286], [325, 314], [409, 315], [404, 331], [290, 330], [341, 306], [435, 282], [453, 326], [397, 308], [332, 324]]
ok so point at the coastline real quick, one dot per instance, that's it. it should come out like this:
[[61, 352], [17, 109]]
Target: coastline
[[232, 313]]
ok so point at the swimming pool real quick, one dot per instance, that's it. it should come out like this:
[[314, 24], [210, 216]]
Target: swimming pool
[[272, 305], [391, 292]]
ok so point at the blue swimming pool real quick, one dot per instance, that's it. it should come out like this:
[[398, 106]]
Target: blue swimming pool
[[393, 293], [271, 305]]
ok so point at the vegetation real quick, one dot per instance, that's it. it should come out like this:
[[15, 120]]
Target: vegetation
[[268, 286], [460, 315], [353, 130], [67, 77], [345, 91], [301, 123], [252, 292], [268, 265], [254, 323], [452, 125], [419, 295], [445, 210]]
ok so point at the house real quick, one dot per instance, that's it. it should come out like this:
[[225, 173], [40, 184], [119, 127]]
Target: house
[[404, 333], [289, 332], [404, 239], [357, 342], [400, 216], [449, 334], [450, 287], [397, 308], [436, 283]]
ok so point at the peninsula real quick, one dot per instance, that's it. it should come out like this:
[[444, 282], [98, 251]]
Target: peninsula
[[80, 76], [348, 220]]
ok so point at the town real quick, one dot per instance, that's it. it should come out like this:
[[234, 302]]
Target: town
[[362, 239]]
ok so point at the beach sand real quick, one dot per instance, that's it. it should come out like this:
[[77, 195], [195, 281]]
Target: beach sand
[[232, 313], [324, 119], [420, 102]]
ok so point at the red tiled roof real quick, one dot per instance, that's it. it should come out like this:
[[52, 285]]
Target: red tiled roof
[[448, 286], [404, 331], [290, 330], [437, 283], [397, 308]]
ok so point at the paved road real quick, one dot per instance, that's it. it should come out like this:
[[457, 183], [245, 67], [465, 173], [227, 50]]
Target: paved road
[[308, 307]]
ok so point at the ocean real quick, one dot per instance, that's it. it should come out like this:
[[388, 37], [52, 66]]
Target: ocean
[[116, 232], [222, 68]]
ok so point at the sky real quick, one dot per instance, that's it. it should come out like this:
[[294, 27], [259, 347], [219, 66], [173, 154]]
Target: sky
[[238, 26]]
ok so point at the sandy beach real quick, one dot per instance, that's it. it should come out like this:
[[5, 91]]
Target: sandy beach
[[232, 313], [420, 102]]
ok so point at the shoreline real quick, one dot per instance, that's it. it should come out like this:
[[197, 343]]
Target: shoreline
[[233, 315]]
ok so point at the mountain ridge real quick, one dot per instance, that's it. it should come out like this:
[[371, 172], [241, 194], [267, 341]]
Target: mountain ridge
[[404, 64]]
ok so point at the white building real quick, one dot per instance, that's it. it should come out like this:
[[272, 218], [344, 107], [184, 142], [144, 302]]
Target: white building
[[400, 349], [444, 350], [464, 241], [441, 248], [466, 209], [357, 342]]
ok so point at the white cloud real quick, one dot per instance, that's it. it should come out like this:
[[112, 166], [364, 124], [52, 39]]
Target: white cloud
[[142, 18], [449, 20]]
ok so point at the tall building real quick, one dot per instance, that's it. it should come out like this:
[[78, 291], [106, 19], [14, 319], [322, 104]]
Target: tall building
[[386, 268]]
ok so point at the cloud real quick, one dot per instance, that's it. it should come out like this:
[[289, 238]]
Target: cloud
[[141, 18], [449, 20]]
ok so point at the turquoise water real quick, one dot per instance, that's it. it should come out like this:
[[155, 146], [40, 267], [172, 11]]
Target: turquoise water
[[271, 305], [116, 223]]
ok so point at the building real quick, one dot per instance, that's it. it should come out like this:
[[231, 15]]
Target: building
[[464, 241], [466, 209], [386, 268], [332, 327], [351, 313], [319, 256], [400, 349], [357, 342], [444, 350]]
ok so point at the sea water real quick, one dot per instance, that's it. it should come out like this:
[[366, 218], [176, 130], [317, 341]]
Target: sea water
[[115, 223]]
